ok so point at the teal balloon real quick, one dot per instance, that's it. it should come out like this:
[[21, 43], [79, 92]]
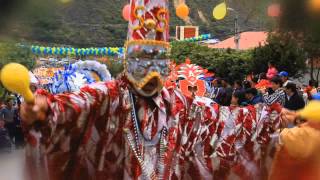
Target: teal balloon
[[54, 50], [41, 49]]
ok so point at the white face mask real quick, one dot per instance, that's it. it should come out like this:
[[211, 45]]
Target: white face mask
[[147, 65]]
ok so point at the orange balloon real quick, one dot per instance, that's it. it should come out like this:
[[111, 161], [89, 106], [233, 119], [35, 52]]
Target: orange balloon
[[274, 10], [126, 12], [182, 11], [314, 5]]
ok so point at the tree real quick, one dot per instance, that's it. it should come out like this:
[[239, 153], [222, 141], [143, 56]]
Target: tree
[[11, 52], [286, 55], [299, 23], [228, 63]]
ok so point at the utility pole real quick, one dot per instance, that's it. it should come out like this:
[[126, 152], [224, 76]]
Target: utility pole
[[236, 32], [236, 29]]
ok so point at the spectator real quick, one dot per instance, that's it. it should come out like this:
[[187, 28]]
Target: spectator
[[237, 86], [294, 101], [238, 99], [254, 81], [209, 76], [18, 135], [272, 71], [311, 89], [216, 90], [262, 76], [285, 78], [246, 84], [5, 143], [226, 94], [276, 94], [7, 115], [252, 96]]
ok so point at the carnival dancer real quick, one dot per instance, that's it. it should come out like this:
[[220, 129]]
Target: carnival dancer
[[298, 154], [133, 128]]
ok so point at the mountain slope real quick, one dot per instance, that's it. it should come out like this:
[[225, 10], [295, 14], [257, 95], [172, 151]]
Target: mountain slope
[[99, 22]]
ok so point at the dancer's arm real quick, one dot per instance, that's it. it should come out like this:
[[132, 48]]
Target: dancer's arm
[[65, 107]]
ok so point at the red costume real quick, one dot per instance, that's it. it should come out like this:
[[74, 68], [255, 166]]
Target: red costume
[[94, 134]]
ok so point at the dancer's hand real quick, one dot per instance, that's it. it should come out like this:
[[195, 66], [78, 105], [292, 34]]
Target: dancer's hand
[[36, 111], [287, 117]]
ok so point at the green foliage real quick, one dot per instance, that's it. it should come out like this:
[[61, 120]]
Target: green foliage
[[286, 55], [228, 63], [305, 27], [237, 64], [115, 67], [11, 52], [299, 23]]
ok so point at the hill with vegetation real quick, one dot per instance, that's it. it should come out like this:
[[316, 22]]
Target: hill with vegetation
[[84, 23]]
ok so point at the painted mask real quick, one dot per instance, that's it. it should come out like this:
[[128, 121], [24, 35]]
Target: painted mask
[[147, 48]]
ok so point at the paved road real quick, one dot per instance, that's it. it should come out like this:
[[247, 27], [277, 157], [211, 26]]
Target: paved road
[[11, 165]]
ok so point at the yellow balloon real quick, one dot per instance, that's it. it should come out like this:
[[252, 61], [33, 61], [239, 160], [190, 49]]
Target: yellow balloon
[[65, 1], [220, 11], [311, 112], [15, 77]]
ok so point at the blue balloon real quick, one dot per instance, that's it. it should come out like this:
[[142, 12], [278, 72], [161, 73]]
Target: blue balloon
[[45, 51], [38, 50], [56, 51], [33, 49], [104, 51], [121, 50]]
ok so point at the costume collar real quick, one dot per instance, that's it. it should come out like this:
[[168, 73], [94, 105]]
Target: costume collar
[[159, 100]]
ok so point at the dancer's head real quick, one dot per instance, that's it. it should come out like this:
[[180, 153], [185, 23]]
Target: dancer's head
[[147, 48]]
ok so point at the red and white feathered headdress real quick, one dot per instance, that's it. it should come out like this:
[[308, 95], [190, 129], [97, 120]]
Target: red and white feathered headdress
[[192, 82]]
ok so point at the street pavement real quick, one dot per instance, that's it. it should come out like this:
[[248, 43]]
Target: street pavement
[[12, 165]]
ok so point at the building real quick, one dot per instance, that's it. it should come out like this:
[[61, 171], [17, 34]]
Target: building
[[248, 40]]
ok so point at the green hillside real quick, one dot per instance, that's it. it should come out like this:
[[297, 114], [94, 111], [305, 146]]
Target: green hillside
[[99, 22]]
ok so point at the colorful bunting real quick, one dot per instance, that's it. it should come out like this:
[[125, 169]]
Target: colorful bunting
[[199, 38], [66, 51], [104, 51]]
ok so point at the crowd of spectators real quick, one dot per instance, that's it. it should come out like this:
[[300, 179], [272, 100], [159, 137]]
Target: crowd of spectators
[[271, 87], [11, 135]]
